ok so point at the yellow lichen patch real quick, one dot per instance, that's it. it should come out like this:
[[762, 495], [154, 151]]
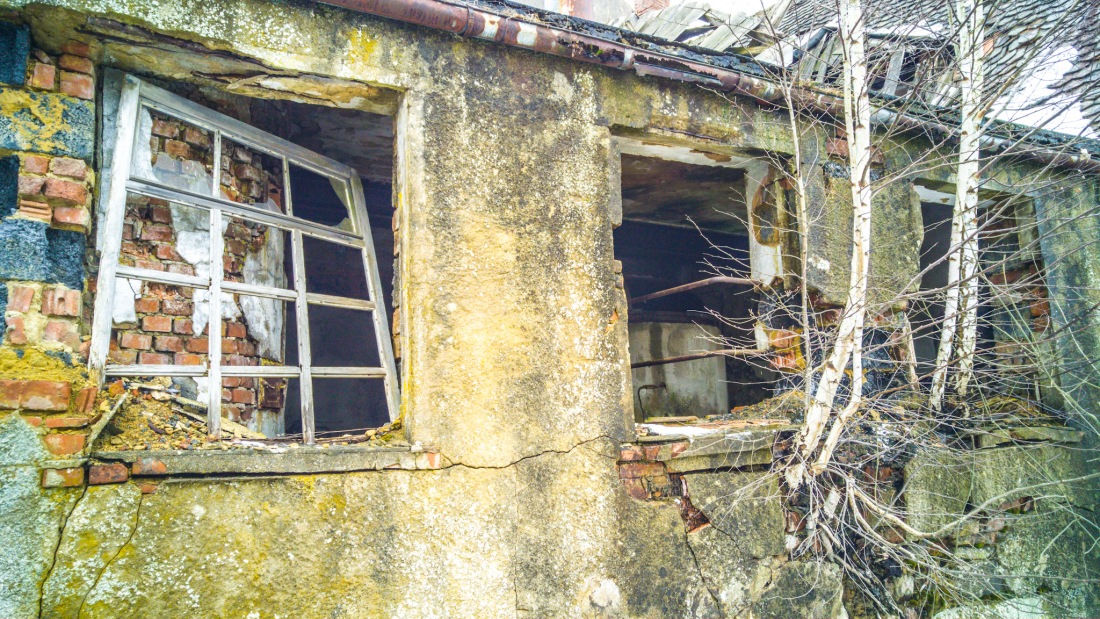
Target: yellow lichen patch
[[35, 121], [33, 364]]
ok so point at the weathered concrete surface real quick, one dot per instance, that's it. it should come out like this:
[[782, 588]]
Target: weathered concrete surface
[[553, 536], [937, 487], [30, 519], [896, 228]]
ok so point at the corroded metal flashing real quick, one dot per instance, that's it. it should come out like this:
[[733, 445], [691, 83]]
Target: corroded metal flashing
[[516, 25]]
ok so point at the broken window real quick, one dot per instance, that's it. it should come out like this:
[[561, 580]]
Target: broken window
[[897, 63], [241, 266], [1013, 354], [684, 250]]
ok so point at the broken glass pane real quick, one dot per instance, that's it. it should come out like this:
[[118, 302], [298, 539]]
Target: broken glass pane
[[250, 176], [349, 404], [340, 337], [319, 199], [173, 152], [265, 333], [257, 254], [334, 269]]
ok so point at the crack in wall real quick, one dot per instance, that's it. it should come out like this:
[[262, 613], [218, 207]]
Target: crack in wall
[[702, 578], [578, 445], [57, 547], [103, 570]]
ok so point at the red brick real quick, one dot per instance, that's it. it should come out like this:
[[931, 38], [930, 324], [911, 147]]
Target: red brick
[[68, 166], [168, 343], [183, 326], [785, 362], [43, 76], [64, 444], [635, 488], [235, 329], [177, 307], [149, 466], [229, 347], [199, 345], [67, 422], [160, 324], [71, 216], [177, 149], [30, 185], [85, 400], [243, 396], [60, 302], [147, 305], [46, 395], [69, 192], [240, 360], [227, 395], [678, 448], [153, 358], [77, 85], [196, 137], [232, 381], [123, 357], [66, 333], [128, 231], [150, 265], [11, 393], [1040, 324], [837, 148], [77, 48], [79, 64], [36, 210], [16, 332], [160, 214], [147, 487], [1040, 307], [20, 298], [139, 341], [165, 128], [33, 420], [63, 478], [113, 473], [36, 164], [156, 232], [188, 359], [634, 470], [630, 453], [246, 348]]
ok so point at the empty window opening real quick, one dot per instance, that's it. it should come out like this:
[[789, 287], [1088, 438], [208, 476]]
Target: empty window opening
[[684, 250], [280, 220], [1013, 309]]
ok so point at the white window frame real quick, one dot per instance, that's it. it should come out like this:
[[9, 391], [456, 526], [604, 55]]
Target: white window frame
[[137, 95]]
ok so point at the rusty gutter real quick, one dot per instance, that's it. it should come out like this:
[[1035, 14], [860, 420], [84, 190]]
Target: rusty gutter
[[703, 283], [478, 23]]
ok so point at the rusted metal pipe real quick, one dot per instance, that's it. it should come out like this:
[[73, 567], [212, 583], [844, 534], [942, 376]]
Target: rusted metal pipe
[[479, 23], [693, 286], [728, 352]]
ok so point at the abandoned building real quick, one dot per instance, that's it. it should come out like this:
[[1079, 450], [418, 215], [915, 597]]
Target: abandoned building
[[370, 308]]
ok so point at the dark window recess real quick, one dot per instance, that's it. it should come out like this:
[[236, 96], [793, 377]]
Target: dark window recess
[[340, 337], [318, 199], [346, 404], [683, 246]]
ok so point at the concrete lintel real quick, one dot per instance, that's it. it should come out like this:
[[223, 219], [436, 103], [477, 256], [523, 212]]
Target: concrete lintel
[[292, 460]]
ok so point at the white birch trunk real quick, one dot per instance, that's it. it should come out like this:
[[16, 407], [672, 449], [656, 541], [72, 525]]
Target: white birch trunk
[[857, 120], [961, 308]]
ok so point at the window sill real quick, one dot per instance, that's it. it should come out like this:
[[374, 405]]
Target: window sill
[[283, 459], [689, 450]]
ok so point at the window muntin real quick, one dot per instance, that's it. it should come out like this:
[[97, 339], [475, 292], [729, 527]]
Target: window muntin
[[172, 153]]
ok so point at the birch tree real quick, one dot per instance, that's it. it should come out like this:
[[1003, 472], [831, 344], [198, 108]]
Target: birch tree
[[959, 333], [849, 337]]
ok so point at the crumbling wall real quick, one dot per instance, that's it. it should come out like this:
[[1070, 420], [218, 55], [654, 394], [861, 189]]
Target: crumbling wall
[[514, 349]]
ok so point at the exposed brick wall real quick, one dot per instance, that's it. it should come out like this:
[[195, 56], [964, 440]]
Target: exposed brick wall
[[46, 194], [164, 332]]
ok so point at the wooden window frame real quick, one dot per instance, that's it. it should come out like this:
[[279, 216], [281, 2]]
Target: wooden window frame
[[137, 95]]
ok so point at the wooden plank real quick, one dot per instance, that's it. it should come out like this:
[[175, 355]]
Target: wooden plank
[[161, 277], [154, 370], [349, 372], [345, 302]]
